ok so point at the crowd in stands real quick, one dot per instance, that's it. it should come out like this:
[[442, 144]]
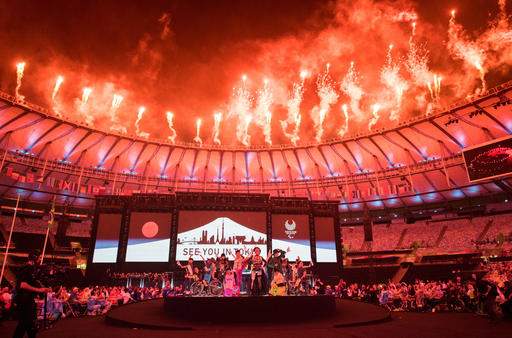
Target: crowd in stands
[[441, 235], [24, 224]]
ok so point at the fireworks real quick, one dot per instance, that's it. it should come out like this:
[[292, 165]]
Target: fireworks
[[350, 86], [170, 123], [394, 82], [263, 115], [240, 108], [198, 139], [116, 102], [58, 83], [293, 105], [417, 63], [344, 129], [217, 117], [468, 51], [56, 104], [138, 132], [86, 92], [328, 97], [407, 82], [20, 69], [375, 116]]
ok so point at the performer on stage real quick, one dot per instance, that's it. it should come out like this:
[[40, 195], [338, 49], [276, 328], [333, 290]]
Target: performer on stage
[[299, 272], [208, 270], [274, 259], [257, 264], [286, 269], [222, 267], [278, 284], [238, 266], [189, 273], [229, 284]]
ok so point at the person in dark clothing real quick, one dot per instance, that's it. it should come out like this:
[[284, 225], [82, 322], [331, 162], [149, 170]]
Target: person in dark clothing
[[274, 260], [26, 291]]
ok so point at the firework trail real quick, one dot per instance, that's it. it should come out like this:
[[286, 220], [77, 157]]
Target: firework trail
[[293, 105], [116, 126], [263, 115], [344, 129], [437, 86], [82, 106], [375, 116], [58, 83], [468, 51], [170, 123], [138, 132], [217, 117], [20, 69], [416, 64], [86, 92], [328, 96], [56, 104], [396, 85], [497, 40], [350, 86], [241, 108], [198, 139]]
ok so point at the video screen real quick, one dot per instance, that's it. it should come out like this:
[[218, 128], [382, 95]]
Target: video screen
[[325, 240], [149, 237], [489, 160], [212, 233], [107, 238], [290, 233]]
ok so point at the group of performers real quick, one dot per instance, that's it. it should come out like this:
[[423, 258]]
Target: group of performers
[[285, 277]]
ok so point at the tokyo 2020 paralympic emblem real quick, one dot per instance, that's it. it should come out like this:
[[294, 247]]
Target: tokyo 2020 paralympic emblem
[[290, 228]]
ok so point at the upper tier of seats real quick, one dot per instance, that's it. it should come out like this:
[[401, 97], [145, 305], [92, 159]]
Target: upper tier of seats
[[443, 236]]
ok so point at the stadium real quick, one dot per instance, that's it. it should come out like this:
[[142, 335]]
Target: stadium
[[373, 177]]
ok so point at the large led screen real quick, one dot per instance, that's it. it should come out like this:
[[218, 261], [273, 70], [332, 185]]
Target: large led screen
[[107, 238], [290, 233], [325, 240], [212, 233], [489, 160], [149, 237]]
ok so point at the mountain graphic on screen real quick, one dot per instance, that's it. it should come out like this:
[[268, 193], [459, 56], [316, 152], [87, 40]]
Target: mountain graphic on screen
[[222, 230]]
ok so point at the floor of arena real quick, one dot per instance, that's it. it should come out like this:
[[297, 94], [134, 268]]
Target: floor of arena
[[418, 325]]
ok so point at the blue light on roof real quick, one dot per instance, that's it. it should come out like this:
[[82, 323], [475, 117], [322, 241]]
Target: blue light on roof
[[457, 193]]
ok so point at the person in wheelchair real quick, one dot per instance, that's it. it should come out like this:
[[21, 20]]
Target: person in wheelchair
[[299, 276], [209, 270]]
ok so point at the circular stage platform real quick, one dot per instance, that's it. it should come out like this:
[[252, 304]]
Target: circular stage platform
[[153, 315]]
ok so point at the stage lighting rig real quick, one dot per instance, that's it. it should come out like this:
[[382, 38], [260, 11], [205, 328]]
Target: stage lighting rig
[[476, 113], [504, 101], [451, 121]]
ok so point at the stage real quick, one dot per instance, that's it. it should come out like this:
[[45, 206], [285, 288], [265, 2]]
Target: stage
[[250, 309], [156, 314]]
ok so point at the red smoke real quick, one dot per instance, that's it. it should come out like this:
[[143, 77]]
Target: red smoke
[[157, 77]]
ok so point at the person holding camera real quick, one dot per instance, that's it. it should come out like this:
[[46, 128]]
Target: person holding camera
[[26, 291]]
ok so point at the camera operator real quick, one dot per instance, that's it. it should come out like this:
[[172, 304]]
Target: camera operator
[[26, 291]]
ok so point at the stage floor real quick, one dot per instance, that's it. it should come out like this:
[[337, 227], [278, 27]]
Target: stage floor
[[152, 315]]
